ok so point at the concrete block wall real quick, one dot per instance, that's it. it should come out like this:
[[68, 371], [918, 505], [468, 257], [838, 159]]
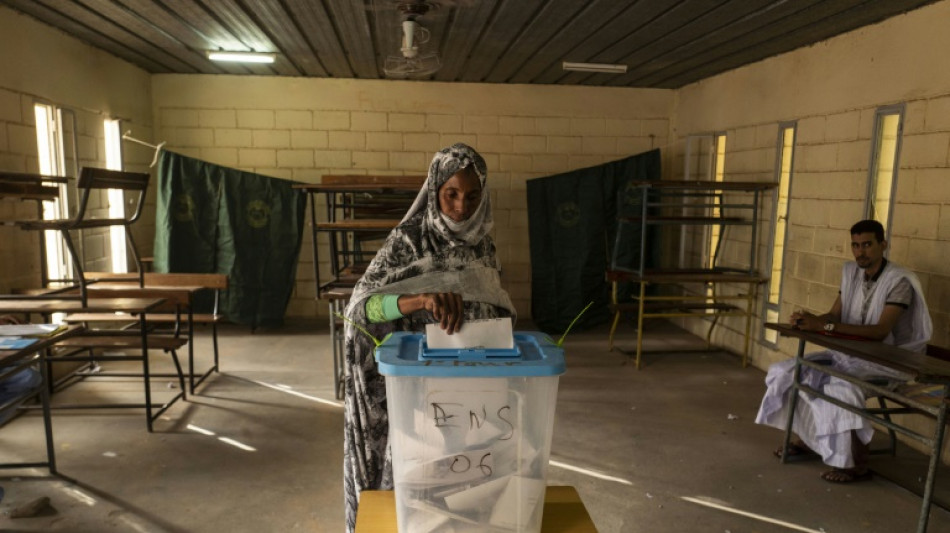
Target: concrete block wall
[[42, 65], [20, 264], [835, 111], [835, 120], [304, 129], [19, 153]]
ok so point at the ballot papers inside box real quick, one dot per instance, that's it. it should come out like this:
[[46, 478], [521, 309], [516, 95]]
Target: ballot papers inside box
[[470, 431]]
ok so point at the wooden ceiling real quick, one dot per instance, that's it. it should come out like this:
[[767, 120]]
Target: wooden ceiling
[[664, 43]]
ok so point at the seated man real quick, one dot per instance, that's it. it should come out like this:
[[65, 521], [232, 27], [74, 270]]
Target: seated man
[[15, 385], [878, 300]]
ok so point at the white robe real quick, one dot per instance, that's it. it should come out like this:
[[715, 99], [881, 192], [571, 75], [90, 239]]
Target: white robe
[[822, 426]]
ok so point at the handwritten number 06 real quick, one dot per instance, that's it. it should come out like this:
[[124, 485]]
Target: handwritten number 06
[[486, 470], [461, 463]]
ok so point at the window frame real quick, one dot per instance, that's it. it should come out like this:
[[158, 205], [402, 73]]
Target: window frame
[[874, 163], [112, 135], [767, 305], [54, 153]]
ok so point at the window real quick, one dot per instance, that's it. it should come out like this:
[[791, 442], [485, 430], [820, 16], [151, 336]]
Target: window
[[888, 123], [52, 162], [113, 141], [783, 170], [718, 168]]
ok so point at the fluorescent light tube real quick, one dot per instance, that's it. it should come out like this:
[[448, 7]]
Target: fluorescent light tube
[[602, 68], [242, 57]]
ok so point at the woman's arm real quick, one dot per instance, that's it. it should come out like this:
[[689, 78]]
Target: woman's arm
[[382, 308], [446, 307]]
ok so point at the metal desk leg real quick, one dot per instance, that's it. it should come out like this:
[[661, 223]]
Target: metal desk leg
[[711, 290], [643, 291], [750, 302], [47, 416], [934, 461], [313, 241], [793, 402], [143, 331], [613, 327]]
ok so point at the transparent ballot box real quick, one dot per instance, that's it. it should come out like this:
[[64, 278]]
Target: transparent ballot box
[[470, 431]]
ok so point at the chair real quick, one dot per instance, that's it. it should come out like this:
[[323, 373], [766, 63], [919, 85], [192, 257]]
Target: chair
[[93, 180]]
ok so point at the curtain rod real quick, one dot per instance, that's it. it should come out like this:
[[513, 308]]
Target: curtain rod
[[126, 136]]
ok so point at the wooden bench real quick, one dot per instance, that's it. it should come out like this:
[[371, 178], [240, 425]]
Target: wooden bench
[[686, 303], [178, 289], [97, 346], [925, 393], [930, 369], [133, 309]]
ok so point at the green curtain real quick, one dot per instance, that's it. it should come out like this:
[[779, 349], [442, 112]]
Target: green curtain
[[572, 225], [217, 219]]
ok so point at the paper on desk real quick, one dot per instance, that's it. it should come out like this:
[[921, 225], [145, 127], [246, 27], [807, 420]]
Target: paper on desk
[[25, 330], [492, 333], [14, 343]]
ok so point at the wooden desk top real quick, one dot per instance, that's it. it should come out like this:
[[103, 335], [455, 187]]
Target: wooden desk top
[[23, 186], [379, 188], [8, 357], [172, 295], [336, 293], [685, 276], [373, 179], [28, 191], [93, 305], [359, 224], [925, 369], [23, 177], [134, 284], [564, 512], [705, 185]]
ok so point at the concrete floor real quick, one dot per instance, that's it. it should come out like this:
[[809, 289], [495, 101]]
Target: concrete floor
[[669, 448]]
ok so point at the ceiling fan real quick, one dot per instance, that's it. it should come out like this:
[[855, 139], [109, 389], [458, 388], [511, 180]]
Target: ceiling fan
[[413, 61]]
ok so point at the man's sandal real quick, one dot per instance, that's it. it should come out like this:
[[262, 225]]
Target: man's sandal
[[796, 452], [846, 475]]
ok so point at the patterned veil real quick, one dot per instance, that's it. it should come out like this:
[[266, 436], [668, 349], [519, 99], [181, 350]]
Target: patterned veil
[[425, 253]]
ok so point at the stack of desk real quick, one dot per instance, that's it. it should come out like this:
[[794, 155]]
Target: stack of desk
[[14, 361], [73, 295], [676, 204], [177, 308], [134, 307], [359, 209], [33, 187]]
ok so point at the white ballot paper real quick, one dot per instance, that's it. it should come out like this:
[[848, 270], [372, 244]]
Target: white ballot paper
[[492, 333]]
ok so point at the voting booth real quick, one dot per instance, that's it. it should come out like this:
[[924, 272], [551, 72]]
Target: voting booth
[[470, 431]]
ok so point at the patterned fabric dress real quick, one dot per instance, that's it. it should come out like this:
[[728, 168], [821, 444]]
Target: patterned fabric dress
[[426, 253]]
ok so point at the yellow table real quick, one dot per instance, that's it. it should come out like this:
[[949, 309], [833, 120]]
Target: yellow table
[[564, 512]]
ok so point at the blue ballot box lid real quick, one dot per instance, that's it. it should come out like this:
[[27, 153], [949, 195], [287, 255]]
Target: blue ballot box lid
[[534, 354]]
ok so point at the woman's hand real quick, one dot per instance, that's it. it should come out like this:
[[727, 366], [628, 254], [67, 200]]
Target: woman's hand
[[446, 308]]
